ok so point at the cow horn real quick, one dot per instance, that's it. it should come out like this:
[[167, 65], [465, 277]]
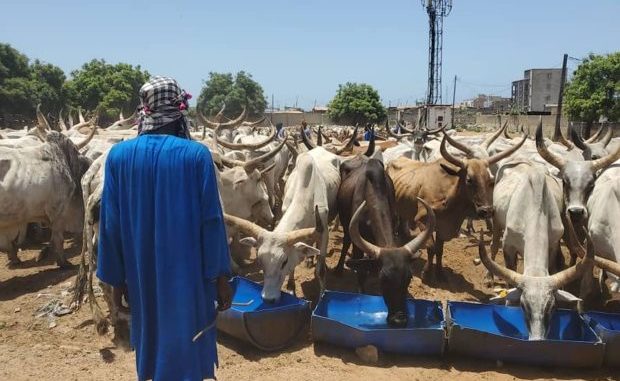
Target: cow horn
[[507, 134], [371, 144], [234, 122], [577, 139], [61, 122], [577, 248], [319, 137], [309, 144], [393, 134], [254, 163], [246, 227], [489, 140], [460, 146], [256, 123], [504, 154], [349, 144], [596, 135], [403, 128], [207, 123], [446, 155], [512, 277], [563, 141], [551, 158], [269, 168], [410, 248], [564, 277], [250, 146], [87, 139], [43, 125], [606, 161], [433, 132], [608, 135], [327, 138], [307, 233], [82, 120]]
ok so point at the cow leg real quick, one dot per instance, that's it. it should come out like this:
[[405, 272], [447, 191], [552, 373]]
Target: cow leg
[[320, 271], [290, 285], [346, 243], [426, 273], [470, 226], [510, 258], [438, 265], [57, 247], [489, 223], [495, 241], [13, 258]]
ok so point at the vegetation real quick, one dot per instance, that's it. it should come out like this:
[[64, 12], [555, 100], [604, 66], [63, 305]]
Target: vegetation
[[594, 90], [112, 88], [24, 85], [356, 103], [222, 88]]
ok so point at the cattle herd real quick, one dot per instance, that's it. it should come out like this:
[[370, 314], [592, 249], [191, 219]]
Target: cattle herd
[[283, 192]]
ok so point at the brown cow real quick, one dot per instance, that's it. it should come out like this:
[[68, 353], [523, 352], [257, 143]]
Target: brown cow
[[455, 188]]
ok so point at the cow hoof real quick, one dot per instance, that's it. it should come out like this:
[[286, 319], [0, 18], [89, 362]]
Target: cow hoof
[[43, 253], [64, 264]]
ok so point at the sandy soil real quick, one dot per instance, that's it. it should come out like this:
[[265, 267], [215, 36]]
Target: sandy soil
[[67, 347]]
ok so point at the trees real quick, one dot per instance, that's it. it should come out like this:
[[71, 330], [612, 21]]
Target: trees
[[594, 90], [112, 88], [23, 86], [222, 88], [356, 103]]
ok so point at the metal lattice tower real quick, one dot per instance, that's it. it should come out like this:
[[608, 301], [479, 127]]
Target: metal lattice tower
[[437, 10]]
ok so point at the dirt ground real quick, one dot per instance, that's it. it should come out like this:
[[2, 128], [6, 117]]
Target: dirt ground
[[35, 347]]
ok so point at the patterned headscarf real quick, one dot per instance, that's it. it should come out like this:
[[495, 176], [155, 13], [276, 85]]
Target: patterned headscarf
[[163, 102]]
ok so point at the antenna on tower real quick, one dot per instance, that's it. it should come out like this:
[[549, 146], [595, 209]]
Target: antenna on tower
[[437, 10]]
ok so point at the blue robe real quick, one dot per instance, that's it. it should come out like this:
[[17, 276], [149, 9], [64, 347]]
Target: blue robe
[[162, 233]]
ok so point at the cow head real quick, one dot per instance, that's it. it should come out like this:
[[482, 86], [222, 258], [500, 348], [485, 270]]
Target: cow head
[[278, 253], [592, 149], [537, 295], [474, 174], [394, 264], [249, 187], [578, 177], [416, 138]]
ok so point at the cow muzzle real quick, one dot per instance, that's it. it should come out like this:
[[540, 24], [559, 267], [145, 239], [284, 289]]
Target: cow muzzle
[[577, 213], [397, 319], [484, 211]]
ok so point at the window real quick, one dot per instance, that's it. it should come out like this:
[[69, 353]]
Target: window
[[548, 98], [548, 75], [440, 119]]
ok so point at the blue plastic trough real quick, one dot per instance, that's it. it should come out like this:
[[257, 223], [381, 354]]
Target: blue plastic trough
[[607, 326], [269, 327], [356, 320], [498, 332]]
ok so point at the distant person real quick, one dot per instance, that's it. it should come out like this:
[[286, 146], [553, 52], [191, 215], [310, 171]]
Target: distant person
[[306, 129], [280, 130], [369, 132], [163, 240]]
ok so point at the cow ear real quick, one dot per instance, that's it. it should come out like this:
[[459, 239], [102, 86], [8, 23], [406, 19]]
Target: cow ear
[[248, 241], [565, 296], [450, 169], [511, 296], [306, 250]]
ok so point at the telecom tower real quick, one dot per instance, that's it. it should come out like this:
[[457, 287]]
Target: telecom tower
[[437, 10]]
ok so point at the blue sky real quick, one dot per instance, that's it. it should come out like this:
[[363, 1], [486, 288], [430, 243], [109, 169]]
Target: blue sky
[[301, 50]]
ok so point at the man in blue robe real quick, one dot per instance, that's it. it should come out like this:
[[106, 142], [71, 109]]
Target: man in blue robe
[[163, 241]]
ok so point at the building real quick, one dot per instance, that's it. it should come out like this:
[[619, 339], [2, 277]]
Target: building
[[538, 88], [490, 103], [438, 115]]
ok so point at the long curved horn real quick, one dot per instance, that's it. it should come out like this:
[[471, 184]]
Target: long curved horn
[[566, 143], [371, 144], [250, 165], [250, 146], [551, 158], [307, 233], [43, 125], [269, 168], [80, 116], [489, 140], [87, 139], [504, 154], [512, 277], [562, 278], [433, 132], [309, 144], [395, 135], [234, 122], [460, 146], [61, 122], [596, 135], [325, 137], [410, 248], [246, 227], [576, 137], [256, 123], [207, 123], [606, 161], [446, 155], [349, 144], [403, 128], [608, 135]]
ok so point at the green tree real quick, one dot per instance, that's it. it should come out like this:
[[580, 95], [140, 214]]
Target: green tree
[[356, 103], [23, 86], [112, 88], [594, 90], [222, 88]]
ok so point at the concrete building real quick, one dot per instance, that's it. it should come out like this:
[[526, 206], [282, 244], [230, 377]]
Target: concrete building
[[538, 88]]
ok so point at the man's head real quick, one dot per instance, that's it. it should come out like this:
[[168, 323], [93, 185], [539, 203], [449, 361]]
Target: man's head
[[162, 105]]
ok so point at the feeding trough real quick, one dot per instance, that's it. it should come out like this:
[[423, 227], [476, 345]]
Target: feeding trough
[[498, 332], [607, 326], [267, 326], [356, 320]]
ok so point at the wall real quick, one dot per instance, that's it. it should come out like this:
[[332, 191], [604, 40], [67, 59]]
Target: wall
[[531, 122]]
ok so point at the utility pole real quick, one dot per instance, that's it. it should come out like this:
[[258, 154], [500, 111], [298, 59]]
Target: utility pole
[[453, 102], [558, 118], [271, 117]]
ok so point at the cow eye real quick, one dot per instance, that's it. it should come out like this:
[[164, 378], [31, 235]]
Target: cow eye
[[284, 264], [469, 180]]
